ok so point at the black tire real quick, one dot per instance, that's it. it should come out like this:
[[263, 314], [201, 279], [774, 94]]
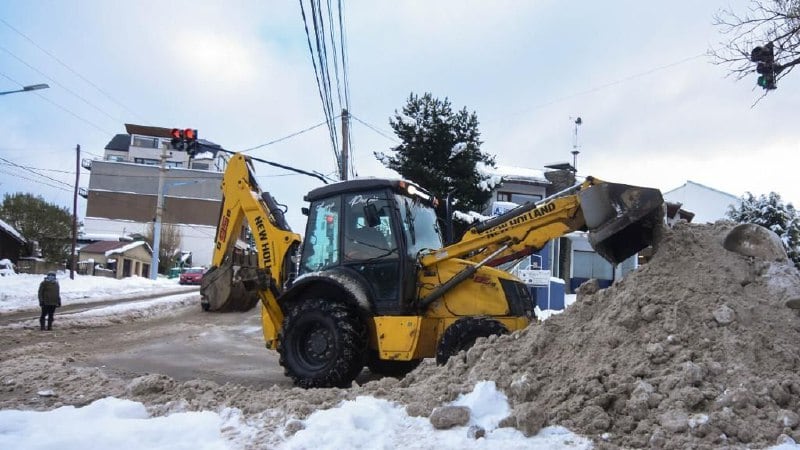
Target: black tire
[[322, 344], [396, 369], [463, 333]]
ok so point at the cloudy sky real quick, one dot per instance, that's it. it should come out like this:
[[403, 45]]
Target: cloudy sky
[[655, 110]]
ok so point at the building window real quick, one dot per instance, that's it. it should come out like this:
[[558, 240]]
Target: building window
[[200, 166], [591, 265], [116, 158], [155, 162], [517, 198], [145, 142]]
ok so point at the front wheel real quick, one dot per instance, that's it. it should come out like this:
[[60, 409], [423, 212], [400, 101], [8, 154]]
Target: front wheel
[[463, 333], [322, 344]]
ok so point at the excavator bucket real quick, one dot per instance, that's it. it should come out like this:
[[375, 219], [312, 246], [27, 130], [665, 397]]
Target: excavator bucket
[[221, 291], [622, 219]]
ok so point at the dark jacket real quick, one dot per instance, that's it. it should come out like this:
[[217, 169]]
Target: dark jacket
[[49, 293]]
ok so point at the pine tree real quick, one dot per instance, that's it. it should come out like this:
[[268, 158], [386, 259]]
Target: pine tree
[[440, 150], [770, 212], [37, 220]]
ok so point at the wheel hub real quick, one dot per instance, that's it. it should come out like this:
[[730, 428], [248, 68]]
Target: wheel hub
[[318, 343]]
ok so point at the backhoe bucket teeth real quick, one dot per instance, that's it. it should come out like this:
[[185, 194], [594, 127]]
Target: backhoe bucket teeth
[[219, 292], [621, 219]]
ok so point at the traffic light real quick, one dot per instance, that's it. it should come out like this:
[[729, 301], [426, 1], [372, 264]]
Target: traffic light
[[764, 56], [177, 138], [190, 135]]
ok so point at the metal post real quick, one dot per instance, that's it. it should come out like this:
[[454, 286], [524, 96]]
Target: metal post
[[159, 212], [73, 263]]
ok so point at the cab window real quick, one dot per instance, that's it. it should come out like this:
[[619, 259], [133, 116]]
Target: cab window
[[368, 232], [321, 247]]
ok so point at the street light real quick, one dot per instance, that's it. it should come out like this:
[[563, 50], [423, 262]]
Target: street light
[[33, 87]]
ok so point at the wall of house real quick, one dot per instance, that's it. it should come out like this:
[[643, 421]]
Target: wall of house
[[142, 179], [708, 205]]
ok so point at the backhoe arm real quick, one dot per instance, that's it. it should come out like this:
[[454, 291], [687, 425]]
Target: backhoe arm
[[243, 202], [621, 220]]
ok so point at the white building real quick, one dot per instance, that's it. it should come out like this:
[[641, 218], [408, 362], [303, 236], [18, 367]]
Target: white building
[[707, 204]]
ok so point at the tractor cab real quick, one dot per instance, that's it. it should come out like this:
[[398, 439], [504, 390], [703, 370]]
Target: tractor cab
[[372, 230]]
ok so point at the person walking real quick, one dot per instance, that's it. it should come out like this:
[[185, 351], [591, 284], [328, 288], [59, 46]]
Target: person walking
[[49, 299]]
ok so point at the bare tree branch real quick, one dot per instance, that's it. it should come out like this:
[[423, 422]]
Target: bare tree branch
[[775, 21]]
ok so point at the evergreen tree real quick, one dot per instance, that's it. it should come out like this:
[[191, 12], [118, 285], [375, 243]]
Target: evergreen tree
[[37, 220], [770, 212], [440, 150]]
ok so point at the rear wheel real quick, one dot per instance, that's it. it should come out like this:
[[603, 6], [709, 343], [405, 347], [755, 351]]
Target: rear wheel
[[391, 368], [463, 333], [322, 344]]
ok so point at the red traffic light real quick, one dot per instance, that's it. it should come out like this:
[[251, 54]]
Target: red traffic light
[[176, 133], [190, 134]]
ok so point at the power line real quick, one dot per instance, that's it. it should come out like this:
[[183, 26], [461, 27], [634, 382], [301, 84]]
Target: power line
[[34, 172], [106, 94], [65, 109], [16, 175], [614, 83], [297, 133], [318, 74], [375, 129], [60, 85]]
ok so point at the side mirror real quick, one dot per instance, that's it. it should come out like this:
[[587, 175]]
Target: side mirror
[[304, 210], [371, 215]]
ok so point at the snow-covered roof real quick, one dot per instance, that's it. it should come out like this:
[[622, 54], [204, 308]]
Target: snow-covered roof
[[204, 155], [109, 248], [14, 233], [511, 173]]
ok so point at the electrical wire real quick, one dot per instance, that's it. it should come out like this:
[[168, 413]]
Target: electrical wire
[[375, 129], [33, 172], [16, 175], [89, 82], [297, 133], [53, 80], [63, 108]]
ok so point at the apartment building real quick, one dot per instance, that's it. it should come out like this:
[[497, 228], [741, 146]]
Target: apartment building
[[123, 189]]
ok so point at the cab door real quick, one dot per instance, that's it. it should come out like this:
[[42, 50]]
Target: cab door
[[370, 246]]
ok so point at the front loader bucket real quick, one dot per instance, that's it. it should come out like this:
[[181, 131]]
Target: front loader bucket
[[621, 219], [222, 292]]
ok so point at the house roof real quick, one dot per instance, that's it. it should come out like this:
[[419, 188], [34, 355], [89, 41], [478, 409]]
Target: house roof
[[112, 247], [120, 142], [145, 130], [12, 232], [690, 182]]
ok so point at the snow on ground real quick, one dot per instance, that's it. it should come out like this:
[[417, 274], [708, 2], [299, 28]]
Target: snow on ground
[[20, 291], [365, 422]]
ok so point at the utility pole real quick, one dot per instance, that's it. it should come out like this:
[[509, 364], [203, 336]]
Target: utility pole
[[345, 144], [73, 262], [159, 212]]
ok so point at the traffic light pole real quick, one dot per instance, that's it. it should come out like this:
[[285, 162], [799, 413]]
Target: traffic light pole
[[159, 213]]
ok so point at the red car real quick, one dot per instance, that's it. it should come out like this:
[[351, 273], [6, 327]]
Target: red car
[[192, 275]]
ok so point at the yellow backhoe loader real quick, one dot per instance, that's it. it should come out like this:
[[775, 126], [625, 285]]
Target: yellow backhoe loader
[[372, 283]]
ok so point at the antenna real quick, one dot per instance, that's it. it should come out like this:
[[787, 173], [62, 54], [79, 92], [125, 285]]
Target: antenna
[[575, 151]]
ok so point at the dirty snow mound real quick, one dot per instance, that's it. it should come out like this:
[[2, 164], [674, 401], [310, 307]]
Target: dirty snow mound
[[695, 349]]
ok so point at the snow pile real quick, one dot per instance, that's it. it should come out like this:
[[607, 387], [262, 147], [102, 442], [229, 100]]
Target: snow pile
[[692, 350]]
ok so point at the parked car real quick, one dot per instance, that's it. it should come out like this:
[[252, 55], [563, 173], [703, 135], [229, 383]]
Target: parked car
[[191, 275]]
